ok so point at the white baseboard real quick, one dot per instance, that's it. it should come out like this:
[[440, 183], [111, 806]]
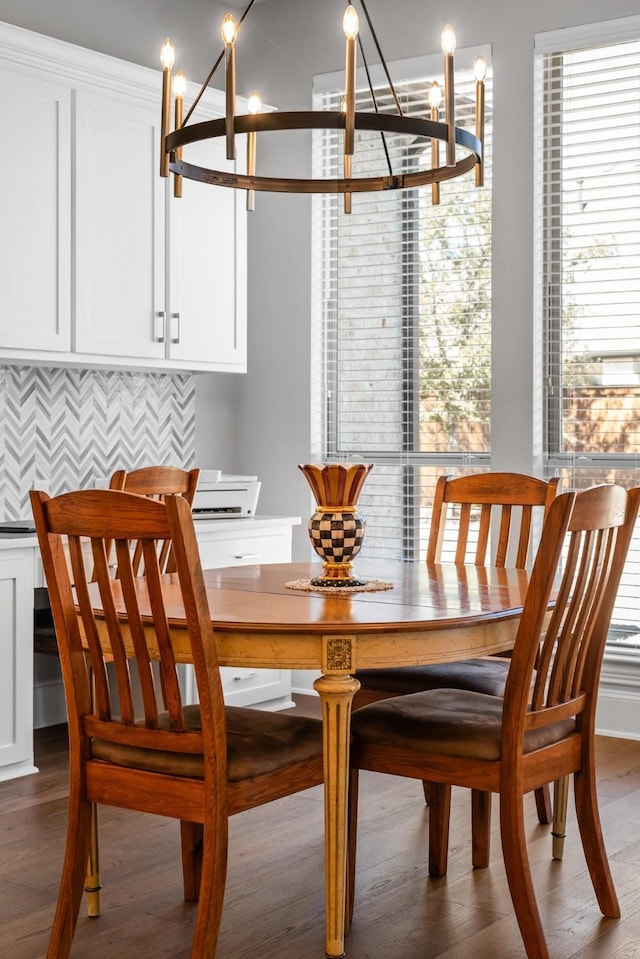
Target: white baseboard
[[619, 697], [302, 681]]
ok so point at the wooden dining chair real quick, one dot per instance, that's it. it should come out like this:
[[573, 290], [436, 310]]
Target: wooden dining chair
[[484, 519], [199, 764], [157, 482], [514, 744], [153, 481], [502, 504]]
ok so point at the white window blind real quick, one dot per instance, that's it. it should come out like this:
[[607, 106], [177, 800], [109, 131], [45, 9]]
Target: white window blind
[[402, 298], [588, 265]]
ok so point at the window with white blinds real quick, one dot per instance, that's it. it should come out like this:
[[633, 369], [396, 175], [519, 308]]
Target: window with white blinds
[[402, 296], [588, 265]]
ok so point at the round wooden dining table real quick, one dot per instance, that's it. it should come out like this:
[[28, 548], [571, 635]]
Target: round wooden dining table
[[431, 613]]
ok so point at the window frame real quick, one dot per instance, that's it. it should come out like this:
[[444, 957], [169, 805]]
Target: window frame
[[577, 469]]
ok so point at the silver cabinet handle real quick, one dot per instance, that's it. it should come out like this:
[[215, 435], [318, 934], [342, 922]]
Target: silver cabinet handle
[[159, 326], [246, 556], [242, 679], [175, 327]]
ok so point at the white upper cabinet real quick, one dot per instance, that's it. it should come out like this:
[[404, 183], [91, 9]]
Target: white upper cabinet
[[207, 257], [120, 236], [99, 264], [35, 213]]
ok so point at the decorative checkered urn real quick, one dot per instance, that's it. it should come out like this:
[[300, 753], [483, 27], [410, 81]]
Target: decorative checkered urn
[[337, 538], [336, 529]]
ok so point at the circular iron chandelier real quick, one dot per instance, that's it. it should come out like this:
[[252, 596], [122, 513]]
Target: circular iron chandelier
[[349, 120]]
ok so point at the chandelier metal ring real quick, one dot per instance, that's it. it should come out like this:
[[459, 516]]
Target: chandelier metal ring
[[314, 120]]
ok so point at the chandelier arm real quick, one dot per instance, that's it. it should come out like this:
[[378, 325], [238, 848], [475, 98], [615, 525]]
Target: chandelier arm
[[213, 69], [203, 88], [375, 103], [382, 59]]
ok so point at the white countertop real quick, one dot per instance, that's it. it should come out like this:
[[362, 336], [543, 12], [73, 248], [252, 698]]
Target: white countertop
[[220, 524]]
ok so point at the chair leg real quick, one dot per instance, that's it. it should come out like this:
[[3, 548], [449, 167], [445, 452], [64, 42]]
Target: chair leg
[[439, 816], [480, 828], [352, 842], [212, 885], [584, 786], [74, 869], [543, 804], [191, 836], [92, 884], [559, 831], [516, 863]]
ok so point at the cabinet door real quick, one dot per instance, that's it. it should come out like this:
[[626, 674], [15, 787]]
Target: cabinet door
[[35, 213], [208, 252], [244, 549], [16, 655], [120, 239]]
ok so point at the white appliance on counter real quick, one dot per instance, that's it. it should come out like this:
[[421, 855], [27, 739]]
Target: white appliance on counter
[[220, 495]]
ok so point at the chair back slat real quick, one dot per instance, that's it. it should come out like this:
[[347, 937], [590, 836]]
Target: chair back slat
[[487, 513], [463, 532], [503, 536], [170, 687], [567, 652], [563, 642], [78, 569], [524, 537], [483, 533], [135, 629]]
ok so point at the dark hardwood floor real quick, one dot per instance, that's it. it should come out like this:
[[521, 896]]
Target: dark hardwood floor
[[274, 905]]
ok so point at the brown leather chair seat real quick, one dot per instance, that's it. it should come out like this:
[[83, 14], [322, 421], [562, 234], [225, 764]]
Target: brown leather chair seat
[[482, 675], [448, 722], [253, 748]]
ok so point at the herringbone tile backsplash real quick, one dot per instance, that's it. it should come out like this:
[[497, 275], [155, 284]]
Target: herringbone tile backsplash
[[62, 428]]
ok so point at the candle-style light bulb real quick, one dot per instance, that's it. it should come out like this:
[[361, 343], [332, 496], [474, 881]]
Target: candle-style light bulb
[[179, 84], [480, 72], [167, 54], [435, 97], [254, 105], [179, 90], [229, 32], [351, 23], [448, 43], [480, 68], [448, 39], [167, 59]]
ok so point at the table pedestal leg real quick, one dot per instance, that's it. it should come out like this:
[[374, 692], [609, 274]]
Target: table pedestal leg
[[336, 693]]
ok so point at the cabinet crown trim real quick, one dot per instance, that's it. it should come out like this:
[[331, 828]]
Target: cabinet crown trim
[[40, 54]]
